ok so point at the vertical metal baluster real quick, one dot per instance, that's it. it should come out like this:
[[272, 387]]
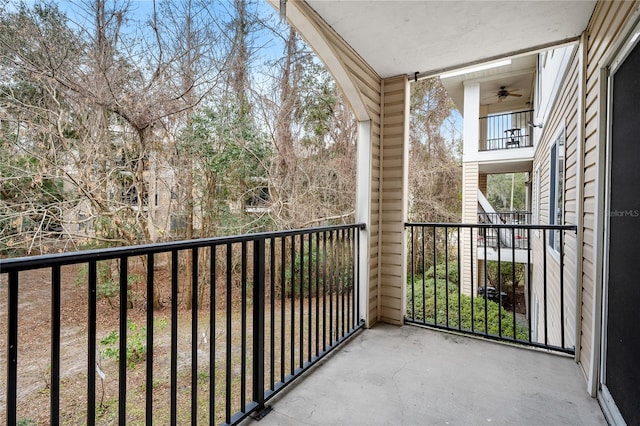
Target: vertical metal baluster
[[194, 335], [435, 280], [310, 296], [272, 277], [473, 250], [338, 278], [301, 331], [486, 281], [55, 345], [357, 317], [424, 274], [258, 322], [342, 279], [91, 342], [544, 283], [122, 364], [413, 274], [243, 327], [324, 291], [12, 358], [228, 353], [335, 279], [331, 267], [283, 291], [174, 337], [528, 280], [212, 333], [446, 273], [513, 280], [352, 264], [339, 286], [458, 266], [561, 233], [317, 293], [349, 277], [347, 287], [149, 349], [293, 305], [499, 284]]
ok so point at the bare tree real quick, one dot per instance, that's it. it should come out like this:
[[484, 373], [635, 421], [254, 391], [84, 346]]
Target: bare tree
[[435, 176]]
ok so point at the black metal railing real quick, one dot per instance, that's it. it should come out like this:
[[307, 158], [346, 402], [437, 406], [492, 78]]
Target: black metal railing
[[504, 294], [504, 131], [236, 320], [515, 217], [494, 237]]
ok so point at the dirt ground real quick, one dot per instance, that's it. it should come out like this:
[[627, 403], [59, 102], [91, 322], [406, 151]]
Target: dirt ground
[[34, 348]]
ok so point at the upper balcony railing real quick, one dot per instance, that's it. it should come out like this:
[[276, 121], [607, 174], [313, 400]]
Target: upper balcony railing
[[502, 238], [505, 131], [261, 310]]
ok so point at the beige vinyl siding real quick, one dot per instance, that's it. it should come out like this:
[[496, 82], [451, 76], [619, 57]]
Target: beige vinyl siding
[[603, 30], [562, 120], [569, 103], [367, 84], [469, 215], [374, 226], [393, 193]]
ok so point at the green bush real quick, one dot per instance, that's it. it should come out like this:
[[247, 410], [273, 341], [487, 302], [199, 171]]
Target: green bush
[[108, 285], [336, 278], [136, 344], [424, 299]]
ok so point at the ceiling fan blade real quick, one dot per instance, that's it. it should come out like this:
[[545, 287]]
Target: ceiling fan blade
[[514, 94]]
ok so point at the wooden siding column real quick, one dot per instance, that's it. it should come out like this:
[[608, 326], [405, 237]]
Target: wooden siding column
[[469, 215], [394, 160], [470, 184]]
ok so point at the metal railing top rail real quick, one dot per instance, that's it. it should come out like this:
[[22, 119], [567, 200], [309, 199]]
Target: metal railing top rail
[[505, 114], [69, 258], [493, 225], [506, 212]]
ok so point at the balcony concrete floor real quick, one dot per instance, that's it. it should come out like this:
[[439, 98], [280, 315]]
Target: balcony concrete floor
[[413, 376]]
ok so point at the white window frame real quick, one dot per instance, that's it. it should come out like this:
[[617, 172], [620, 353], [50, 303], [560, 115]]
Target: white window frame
[[536, 197], [556, 188]]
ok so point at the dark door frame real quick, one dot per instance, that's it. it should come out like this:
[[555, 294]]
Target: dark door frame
[[607, 401]]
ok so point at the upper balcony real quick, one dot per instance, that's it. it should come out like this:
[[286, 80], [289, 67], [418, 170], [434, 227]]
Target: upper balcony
[[496, 104], [505, 142], [506, 131]]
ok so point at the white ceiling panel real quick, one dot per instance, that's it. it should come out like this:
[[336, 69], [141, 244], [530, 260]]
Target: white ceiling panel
[[404, 37]]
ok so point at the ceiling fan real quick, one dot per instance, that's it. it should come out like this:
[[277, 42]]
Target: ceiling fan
[[503, 93]]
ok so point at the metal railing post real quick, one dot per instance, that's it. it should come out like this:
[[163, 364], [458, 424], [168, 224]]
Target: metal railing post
[[259, 327], [12, 353]]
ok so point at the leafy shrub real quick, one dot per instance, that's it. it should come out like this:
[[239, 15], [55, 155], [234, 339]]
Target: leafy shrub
[[136, 344], [108, 285], [423, 299], [332, 267]]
